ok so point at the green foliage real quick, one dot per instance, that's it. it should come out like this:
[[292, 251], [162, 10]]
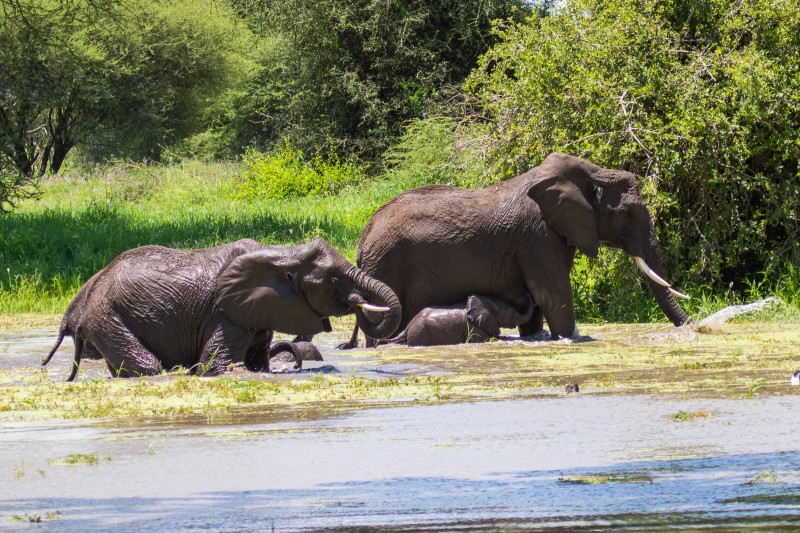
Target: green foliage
[[436, 150], [123, 81], [50, 247], [355, 71], [699, 99], [286, 173], [14, 185]]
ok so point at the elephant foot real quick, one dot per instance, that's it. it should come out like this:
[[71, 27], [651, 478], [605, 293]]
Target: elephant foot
[[349, 345], [539, 336]]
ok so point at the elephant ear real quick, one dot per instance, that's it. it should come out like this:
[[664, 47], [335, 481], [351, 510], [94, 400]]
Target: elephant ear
[[564, 190], [480, 314], [256, 290]]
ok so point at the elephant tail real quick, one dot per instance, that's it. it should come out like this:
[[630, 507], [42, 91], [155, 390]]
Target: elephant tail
[[62, 332], [76, 363]]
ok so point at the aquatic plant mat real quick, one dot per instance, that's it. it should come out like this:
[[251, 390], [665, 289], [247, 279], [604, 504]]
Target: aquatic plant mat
[[731, 361]]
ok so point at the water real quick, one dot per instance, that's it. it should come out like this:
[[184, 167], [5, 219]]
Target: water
[[715, 320], [472, 466], [26, 348], [518, 464]]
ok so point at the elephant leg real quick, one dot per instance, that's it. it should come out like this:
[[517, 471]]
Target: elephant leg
[[557, 306], [215, 357], [534, 325], [257, 357], [124, 353], [229, 344], [352, 343], [90, 352]]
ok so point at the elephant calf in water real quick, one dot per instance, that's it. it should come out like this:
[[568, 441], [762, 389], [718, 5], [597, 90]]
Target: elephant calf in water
[[155, 308], [297, 351], [477, 320]]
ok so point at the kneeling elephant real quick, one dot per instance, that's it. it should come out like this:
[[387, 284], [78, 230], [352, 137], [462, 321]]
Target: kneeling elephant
[[155, 308]]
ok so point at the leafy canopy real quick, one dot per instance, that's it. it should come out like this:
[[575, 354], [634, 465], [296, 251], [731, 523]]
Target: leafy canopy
[[701, 99], [349, 74], [117, 78]]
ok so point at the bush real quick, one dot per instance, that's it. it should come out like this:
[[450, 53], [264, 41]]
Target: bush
[[436, 150], [699, 99], [353, 72], [285, 173]]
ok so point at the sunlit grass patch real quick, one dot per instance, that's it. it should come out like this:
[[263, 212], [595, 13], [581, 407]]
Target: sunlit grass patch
[[603, 479], [78, 459], [36, 518], [686, 416], [33, 396]]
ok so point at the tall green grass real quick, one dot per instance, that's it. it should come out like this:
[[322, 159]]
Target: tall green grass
[[49, 247]]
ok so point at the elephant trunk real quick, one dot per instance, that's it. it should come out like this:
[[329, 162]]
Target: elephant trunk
[[518, 318], [661, 289], [379, 316]]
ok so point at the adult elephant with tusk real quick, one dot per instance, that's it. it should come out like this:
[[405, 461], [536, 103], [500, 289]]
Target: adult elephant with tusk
[[437, 244], [155, 308]]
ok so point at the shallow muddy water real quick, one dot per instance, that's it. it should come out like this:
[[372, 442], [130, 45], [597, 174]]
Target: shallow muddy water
[[532, 461], [577, 461], [26, 348]]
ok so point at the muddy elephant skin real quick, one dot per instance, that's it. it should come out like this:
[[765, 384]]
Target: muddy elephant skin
[[155, 308], [437, 245], [477, 320]]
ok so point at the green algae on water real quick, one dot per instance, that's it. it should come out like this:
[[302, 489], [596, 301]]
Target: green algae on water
[[742, 360]]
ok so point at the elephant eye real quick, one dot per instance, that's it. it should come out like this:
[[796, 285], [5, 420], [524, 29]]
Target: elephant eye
[[334, 280]]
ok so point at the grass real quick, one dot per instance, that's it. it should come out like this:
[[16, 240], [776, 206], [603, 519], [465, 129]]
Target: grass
[[686, 416], [33, 396], [77, 459], [36, 518], [603, 479], [49, 247]]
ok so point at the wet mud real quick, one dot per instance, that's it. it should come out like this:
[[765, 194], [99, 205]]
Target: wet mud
[[672, 428]]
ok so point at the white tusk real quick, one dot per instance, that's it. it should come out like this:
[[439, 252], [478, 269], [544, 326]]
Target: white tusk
[[678, 294], [649, 272], [376, 308]]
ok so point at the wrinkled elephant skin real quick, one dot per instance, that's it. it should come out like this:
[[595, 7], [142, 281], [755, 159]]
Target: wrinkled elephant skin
[[154, 308]]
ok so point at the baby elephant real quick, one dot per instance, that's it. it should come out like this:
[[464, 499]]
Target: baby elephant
[[297, 351], [478, 320]]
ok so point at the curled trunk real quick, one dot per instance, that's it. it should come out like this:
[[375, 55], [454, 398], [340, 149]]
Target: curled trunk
[[378, 325]]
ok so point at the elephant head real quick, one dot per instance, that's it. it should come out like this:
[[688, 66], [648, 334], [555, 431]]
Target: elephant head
[[589, 205], [292, 290], [491, 314]]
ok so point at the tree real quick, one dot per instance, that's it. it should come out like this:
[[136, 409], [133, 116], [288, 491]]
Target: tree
[[126, 81], [698, 98], [353, 72]]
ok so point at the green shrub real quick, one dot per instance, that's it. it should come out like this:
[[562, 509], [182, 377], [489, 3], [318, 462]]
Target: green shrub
[[437, 150], [286, 173], [699, 99]]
